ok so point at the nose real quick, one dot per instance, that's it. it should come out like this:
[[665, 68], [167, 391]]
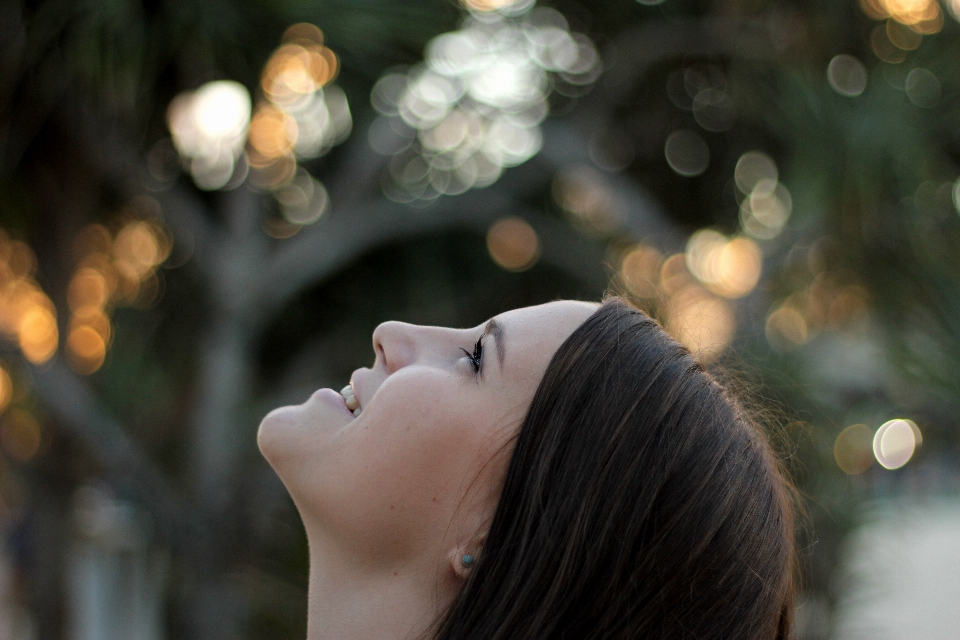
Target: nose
[[395, 344]]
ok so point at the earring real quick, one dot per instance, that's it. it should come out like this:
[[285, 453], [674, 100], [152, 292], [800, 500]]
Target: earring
[[467, 560]]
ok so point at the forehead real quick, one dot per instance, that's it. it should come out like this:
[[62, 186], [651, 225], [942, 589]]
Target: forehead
[[532, 335]]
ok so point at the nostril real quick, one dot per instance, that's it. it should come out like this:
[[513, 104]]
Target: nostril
[[393, 345]]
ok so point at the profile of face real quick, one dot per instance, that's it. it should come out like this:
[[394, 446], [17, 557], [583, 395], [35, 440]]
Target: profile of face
[[417, 473]]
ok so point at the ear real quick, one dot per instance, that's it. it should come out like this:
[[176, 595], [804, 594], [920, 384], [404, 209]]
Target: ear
[[463, 557]]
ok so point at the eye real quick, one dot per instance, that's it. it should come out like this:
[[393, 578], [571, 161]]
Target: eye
[[476, 358]]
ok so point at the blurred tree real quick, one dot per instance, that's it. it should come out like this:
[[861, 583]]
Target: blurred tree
[[849, 208]]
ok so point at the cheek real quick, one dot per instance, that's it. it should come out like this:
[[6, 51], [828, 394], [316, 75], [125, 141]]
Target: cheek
[[402, 470]]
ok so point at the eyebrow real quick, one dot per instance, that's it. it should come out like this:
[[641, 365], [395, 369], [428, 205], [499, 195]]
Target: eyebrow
[[495, 329]]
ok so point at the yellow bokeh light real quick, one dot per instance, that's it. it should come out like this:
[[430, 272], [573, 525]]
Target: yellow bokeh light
[[895, 443], [730, 268], [20, 435], [848, 306], [88, 287], [924, 16], [786, 329], [674, 274], [272, 132], [128, 281], [137, 247], [902, 36], [702, 322], [853, 449], [86, 349], [883, 48], [38, 334], [20, 259], [6, 389], [297, 70], [93, 238], [92, 317], [640, 271], [16, 299], [738, 268], [303, 33], [513, 244]]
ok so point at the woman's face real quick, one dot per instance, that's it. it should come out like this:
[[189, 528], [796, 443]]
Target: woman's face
[[423, 461]]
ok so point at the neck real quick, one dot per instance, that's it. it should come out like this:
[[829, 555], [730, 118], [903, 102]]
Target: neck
[[388, 603]]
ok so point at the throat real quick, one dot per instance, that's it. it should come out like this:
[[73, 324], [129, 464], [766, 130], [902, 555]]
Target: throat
[[352, 603]]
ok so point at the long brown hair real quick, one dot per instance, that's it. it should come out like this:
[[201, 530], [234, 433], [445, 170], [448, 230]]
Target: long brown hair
[[640, 502]]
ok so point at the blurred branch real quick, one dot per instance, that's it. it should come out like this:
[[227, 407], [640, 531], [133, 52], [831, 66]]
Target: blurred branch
[[637, 49], [72, 401]]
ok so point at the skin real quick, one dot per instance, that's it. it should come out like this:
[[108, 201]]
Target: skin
[[391, 500]]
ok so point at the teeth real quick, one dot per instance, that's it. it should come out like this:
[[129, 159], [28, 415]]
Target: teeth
[[348, 395], [357, 411]]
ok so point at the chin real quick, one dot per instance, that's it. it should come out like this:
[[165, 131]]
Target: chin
[[280, 435]]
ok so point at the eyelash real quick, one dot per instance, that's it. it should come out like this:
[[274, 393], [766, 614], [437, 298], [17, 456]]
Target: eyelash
[[477, 357]]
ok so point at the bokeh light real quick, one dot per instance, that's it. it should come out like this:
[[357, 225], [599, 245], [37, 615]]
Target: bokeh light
[[112, 270], [687, 153], [20, 435], [484, 6], [847, 75], [768, 204], [640, 271], [513, 244], [702, 89], [475, 106], [272, 132], [303, 200], [728, 267], [895, 443], [581, 192], [902, 37], [923, 16], [6, 389], [752, 168], [302, 117], [209, 127], [38, 334], [923, 88], [853, 449], [702, 322], [786, 328], [884, 48], [86, 349], [27, 315]]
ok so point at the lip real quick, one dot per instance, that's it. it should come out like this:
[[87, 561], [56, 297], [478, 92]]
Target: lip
[[332, 398]]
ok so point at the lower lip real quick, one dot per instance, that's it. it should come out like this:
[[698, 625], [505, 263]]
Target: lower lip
[[331, 397]]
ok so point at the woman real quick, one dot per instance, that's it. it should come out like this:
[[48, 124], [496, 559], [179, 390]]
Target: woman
[[563, 471]]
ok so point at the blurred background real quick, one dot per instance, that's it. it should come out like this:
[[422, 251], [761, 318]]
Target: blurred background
[[206, 206]]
